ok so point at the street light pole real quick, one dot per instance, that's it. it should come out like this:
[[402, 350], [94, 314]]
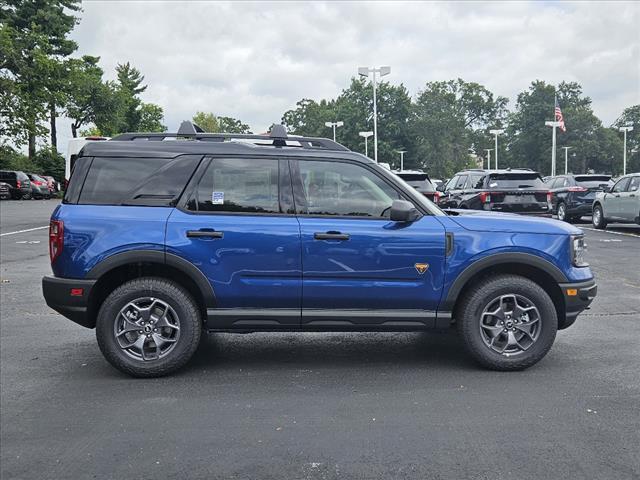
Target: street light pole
[[333, 125], [496, 133], [401, 152], [364, 72], [553, 125], [488, 150], [366, 136], [566, 158], [625, 129]]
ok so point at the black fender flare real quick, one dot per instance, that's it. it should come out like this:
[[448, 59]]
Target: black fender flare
[[500, 259], [158, 257]]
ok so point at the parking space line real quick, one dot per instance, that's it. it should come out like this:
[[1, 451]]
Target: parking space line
[[613, 233], [23, 231]]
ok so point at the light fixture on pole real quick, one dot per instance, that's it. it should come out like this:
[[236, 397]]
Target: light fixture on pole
[[488, 150], [553, 125], [401, 152], [625, 129], [364, 72], [496, 132], [333, 125], [566, 158], [366, 136]]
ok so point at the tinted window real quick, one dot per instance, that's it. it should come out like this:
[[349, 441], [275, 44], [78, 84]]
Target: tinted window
[[462, 179], [515, 180], [634, 184], [593, 181], [333, 188], [136, 181], [238, 185], [621, 186], [419, 181], [7, 175], [476, 181]]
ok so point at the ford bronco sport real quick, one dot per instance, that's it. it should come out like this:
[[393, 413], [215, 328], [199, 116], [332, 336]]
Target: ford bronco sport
[[163, 236]]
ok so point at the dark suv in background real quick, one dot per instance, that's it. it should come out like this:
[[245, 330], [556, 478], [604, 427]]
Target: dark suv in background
[[510, 190], [572, 196], [421, 182], [19, 183]]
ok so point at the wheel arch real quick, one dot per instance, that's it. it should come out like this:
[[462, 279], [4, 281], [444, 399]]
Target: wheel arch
[[125, 266], [537, 269]]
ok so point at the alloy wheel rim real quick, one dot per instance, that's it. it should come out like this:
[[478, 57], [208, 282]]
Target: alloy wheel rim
[[147, 328], [510, 324], [596, 216], [561, 212]]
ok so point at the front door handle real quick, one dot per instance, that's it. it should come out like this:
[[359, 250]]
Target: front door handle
[[204, 234], [331, 235]]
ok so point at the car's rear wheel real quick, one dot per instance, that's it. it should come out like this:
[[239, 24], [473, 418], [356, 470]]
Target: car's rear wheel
[[26, 196], [148, 327], [562, 212], [597, 217], [507, 322]]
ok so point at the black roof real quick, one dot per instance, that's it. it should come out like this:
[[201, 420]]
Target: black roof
[[189, 140], [499, 171]]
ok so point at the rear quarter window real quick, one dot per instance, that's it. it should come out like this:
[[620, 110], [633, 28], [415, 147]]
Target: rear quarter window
[[136, 181]]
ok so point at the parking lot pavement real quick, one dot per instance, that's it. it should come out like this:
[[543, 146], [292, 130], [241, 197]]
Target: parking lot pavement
[[317, 405]]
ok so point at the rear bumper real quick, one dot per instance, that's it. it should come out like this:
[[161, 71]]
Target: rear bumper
[[58, 295], [577, 298]]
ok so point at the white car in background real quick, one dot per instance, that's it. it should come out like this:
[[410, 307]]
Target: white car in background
[[619, 204]]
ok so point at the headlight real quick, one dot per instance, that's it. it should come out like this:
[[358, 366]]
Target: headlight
[[578, 250]]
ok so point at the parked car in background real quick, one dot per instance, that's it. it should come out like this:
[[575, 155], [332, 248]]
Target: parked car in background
[[51, 182], [620, 203], [5, 192], [39, 187], [19, 183], [510, 190], [421, 182], [572, 195], [437, 182]]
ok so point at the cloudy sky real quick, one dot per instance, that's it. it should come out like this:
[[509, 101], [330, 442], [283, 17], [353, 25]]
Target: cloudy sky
[[253, 61]]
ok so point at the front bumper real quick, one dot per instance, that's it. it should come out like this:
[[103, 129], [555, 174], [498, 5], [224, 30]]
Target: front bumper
[[69, 297], [577, 298]]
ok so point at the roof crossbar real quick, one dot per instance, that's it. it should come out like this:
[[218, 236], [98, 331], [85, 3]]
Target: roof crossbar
[[277, 137]]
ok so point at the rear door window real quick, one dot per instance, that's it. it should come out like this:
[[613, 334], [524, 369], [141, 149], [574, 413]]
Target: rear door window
[[475, 181], [238, 186], [515, 180]]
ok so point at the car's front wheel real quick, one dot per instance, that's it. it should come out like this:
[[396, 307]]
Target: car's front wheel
[[597, 217], [148, 327], [507, 322]]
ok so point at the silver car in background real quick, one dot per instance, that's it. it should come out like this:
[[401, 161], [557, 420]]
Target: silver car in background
[[620, 203]]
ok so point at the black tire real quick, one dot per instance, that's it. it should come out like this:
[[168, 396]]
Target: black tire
[[597, 219], [562, 212], [188, 317], [26, 196], [480, 296]]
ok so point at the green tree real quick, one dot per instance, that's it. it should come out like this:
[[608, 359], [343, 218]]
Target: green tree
[[631, 116], [450, 123], [33, 36], [232, 125], [207, 121], [130, 87], [151, 117]]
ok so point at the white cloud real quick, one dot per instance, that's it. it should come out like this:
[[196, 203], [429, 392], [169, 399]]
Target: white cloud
[[255, 60]]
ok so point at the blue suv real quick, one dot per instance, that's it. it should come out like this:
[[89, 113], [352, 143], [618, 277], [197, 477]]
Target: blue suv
[[163, 236]]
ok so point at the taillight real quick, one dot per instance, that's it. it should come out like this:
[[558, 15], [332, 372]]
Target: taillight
[[436, 197], [549, 196], [577, 189], [56, 239], [18, 184], [485, 197]]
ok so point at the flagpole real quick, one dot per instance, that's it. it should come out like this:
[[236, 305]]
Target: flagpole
[[553, 125]]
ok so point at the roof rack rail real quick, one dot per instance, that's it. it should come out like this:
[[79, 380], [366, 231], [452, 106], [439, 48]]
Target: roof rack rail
[[277, 137]]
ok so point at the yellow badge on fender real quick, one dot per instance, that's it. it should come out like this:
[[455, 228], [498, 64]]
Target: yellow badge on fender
[[422, 267]]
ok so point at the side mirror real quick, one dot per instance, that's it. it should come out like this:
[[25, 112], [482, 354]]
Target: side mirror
[[403, 211]]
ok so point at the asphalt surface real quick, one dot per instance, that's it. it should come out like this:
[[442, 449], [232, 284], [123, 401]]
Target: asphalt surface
[[317, 406]]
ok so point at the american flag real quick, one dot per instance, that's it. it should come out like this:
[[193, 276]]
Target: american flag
[[559, 117]]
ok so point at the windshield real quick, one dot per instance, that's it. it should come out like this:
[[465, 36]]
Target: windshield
[[515, 180]]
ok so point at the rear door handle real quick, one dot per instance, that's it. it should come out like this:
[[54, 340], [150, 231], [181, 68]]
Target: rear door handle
[[204, 234], [331, 236]]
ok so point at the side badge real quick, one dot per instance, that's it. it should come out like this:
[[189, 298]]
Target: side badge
[[421, 267]]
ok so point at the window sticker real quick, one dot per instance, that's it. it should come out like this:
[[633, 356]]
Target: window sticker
[[217, 198]]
